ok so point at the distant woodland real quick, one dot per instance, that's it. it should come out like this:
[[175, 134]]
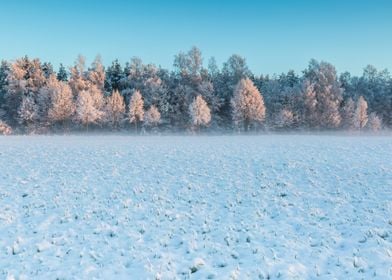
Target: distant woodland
[[196, 97]]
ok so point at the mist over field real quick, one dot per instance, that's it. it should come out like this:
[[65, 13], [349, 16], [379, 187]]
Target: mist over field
[[202, 139]]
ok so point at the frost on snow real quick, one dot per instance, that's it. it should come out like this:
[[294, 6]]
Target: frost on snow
[[266, 207]]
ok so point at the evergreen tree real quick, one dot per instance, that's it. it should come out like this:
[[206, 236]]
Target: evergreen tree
[[62, 75], [114, 76], [47, 69], [4, 69]]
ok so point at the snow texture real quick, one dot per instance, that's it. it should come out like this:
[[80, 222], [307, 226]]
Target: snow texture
[[239, 207]]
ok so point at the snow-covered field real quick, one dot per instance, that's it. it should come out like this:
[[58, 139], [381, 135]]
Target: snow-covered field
[[246, 207]]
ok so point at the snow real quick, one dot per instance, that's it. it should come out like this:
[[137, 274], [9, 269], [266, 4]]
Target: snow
[[239, 207]]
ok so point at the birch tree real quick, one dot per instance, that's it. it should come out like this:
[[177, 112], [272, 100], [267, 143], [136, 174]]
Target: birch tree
[[62, 106], [199, 112], [86, 111], [247, 105], [28, 112], [115, 109], [136, 110], [374, 123], [361, 116], [152, 117]]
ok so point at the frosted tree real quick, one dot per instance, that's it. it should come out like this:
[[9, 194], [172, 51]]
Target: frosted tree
[[28, 112], [348, 114], [327, 93], [374, 123], [86, 111], [375, 86], [361, 116], [44, 97], [4, 69], [24, 78], [136, 110], [247, 105], [96, 73], [152, 117], [115, 109], [62, 106], [78, 81], [5, 129], [98, 98], [285, 118], [234, 69], [199, 112]]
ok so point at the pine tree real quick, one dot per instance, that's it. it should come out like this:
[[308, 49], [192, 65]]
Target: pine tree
[[247, 105], [361, 117], [62, 75], [113, 77], [200, 112], [136, 110], [115, 109], [4, 69], [47, 69]]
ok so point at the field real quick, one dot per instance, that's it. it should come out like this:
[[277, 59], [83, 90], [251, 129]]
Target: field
[[172, 207]]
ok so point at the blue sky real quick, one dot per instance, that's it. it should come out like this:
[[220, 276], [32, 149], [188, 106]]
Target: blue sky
[[274, 36]]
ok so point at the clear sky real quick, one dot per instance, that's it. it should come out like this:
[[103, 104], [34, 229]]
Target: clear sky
[[274, 35]]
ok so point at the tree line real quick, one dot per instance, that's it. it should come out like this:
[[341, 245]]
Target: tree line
[[36, 99]]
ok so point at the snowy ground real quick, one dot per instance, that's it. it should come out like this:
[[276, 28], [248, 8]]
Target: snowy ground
[[117, 207]]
